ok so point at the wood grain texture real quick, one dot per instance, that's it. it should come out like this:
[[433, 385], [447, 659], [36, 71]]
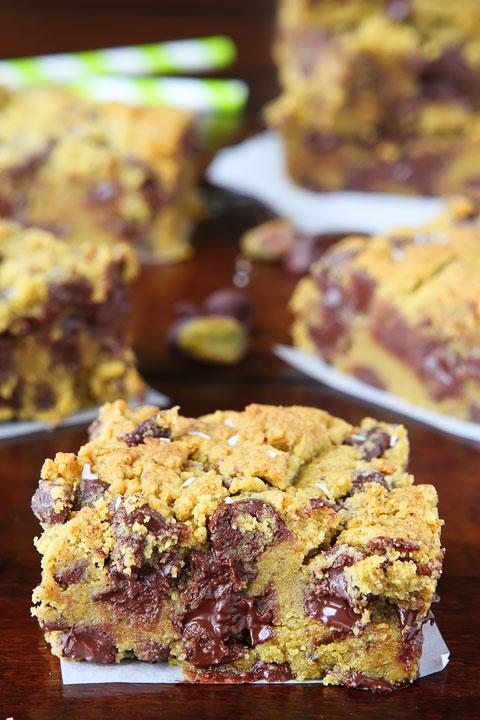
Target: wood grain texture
[[30, 684]]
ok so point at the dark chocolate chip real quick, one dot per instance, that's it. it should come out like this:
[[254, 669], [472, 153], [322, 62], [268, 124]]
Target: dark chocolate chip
[[373, 442], [52, 502], [124, 534], [358, 680], [89, 491], [70, 576], [89, 643], [153, 193], [44, 396], [243, 548], [431, 358], [399, 544], [147, 428], [362, 477]]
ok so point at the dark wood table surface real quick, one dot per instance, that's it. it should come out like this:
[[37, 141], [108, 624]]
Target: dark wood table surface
[[30, 683]]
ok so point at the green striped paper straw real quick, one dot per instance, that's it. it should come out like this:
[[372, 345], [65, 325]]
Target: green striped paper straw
[[197, 94], [176, 56]]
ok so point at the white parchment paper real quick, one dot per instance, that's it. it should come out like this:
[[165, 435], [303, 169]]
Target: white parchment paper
[[316, 368], [435, 657], [29, 427], [256, 167]]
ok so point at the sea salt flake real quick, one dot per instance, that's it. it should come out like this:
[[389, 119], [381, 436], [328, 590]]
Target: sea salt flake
[[165, 439], [229, 500], [323, 487], [233, 440], [87, 473], [272, 453], [393, 440], [189, 481], [229, 422], [200, 434]]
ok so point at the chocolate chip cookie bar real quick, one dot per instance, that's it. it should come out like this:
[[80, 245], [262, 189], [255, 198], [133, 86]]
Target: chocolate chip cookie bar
[[64, 343], [272, 544], [379, 95], [402, 311], [99, 172]]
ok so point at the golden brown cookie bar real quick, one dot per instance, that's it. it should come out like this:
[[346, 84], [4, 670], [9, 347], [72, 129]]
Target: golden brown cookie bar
[[379, 94], [402, 311], [64, 343], [275, 543], [98, 172]]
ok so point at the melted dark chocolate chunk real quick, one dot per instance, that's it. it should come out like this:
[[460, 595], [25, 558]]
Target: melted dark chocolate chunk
[[272, 672], [52, 502], [231, 543], [332, 611], [364, 682], [339, 301], [412, 636], [362, 477], [220, 612], [70, 576], [329, 599], [90, 643], [373, 442], [429, 357], [139, 597], [399, 544], [147, 428]]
